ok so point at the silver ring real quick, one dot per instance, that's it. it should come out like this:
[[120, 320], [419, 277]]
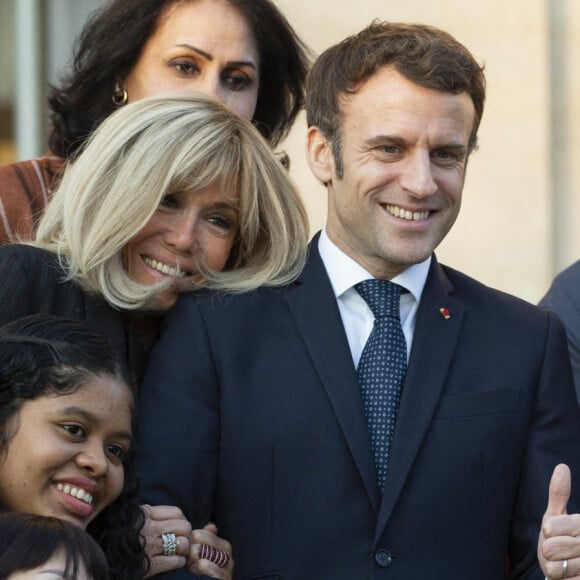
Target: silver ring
[[169, 544], [565, 569]]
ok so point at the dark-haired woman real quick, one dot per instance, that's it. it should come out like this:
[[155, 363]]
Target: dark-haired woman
[[66, 430], [66, 450], [243, 52]]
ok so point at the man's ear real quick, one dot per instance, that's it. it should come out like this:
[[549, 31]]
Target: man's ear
[[319, 155]]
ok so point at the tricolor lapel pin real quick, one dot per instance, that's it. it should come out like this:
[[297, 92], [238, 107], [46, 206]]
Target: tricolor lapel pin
[[445, 313]]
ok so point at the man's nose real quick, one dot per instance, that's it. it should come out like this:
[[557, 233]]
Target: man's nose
[[417, 175]]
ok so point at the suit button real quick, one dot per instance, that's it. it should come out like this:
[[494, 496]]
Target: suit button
[[383, 558]]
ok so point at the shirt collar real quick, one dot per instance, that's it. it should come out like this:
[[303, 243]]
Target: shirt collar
[[345, 273]]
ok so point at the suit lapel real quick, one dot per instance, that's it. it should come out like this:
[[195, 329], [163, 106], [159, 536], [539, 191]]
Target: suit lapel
[[435, 337], [313, 305]]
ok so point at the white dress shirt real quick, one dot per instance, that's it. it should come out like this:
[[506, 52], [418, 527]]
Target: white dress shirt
[[357, 318]]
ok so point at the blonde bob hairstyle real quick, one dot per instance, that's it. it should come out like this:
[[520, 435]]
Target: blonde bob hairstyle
[[157, 146]]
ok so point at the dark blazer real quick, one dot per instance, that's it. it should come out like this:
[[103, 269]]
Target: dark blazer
[[33, 282], [251, 415], [563, 298]]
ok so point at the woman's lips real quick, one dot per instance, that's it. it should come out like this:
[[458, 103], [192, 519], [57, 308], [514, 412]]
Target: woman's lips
[[166, 269], [77, 500]]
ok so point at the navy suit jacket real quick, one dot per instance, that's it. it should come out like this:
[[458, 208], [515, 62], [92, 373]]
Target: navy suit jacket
[[251, 415]]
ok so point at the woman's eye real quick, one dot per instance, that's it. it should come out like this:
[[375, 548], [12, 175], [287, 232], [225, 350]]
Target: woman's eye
[[186, 67], [236, 81], [221, 222], [169, 201], [74, 430], [116, 451]]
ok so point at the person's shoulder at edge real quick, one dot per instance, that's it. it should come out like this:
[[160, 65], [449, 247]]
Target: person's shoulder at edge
[[49, 165], [29, 253], [566, 283], [38, 263], [572, 272], [25, 189]]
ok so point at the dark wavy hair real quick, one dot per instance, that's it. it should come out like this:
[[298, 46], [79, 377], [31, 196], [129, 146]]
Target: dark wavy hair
[[27, 541], [423, 54], [44, 354], [111, 43]]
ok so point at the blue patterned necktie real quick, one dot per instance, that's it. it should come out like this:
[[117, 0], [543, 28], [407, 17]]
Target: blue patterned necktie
[[382, 366]]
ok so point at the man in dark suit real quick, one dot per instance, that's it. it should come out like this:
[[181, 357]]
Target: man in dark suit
[[252, 412]]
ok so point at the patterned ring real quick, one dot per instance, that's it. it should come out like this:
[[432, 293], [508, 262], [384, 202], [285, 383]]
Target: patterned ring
[[169, 544], [215, 555]]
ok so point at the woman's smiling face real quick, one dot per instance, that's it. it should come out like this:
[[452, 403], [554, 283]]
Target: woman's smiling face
[[64, 456], [186, 227]]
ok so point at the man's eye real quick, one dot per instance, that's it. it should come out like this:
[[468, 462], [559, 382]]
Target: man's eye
[[446, 156]]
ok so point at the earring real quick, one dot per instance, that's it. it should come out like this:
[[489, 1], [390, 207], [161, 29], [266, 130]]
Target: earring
[[120, 96]]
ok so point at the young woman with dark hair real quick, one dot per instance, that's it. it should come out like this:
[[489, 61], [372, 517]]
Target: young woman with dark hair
[[66, 430], [66, 449]]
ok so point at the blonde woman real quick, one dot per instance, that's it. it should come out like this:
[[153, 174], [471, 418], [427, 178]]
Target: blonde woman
[[170, 194]]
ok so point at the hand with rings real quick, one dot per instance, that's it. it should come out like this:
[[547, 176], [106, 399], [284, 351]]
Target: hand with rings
[[167, 535], [210, 555], [559, 541]]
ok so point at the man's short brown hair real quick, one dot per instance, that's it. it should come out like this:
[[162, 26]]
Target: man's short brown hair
[[423, 54]]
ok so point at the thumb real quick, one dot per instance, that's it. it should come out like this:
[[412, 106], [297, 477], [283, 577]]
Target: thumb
[[211, 527], [559, 491]]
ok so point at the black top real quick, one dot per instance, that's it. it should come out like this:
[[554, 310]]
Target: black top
[[32, 281]]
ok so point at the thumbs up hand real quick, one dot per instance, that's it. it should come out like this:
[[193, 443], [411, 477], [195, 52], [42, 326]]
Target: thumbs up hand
[[559, 541]]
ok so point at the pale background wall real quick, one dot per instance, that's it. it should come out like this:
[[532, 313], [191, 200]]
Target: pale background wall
[[520, 221]]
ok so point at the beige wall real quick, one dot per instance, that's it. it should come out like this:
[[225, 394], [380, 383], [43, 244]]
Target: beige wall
[[520, 220]]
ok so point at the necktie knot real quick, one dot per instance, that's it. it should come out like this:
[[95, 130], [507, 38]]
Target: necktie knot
[[382, 296]]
